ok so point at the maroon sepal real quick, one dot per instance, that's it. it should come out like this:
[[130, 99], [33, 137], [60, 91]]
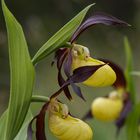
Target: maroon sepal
[[98, 18], [67, 70], [30, 130], [68, 64], [120, 81], [61, 81], [40, 125], [58, 54], [120, 122], [87, 116], [61, 56]]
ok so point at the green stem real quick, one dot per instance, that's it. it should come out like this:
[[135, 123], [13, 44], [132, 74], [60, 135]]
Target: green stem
[[136, 73], [68, 45], [38, 98]]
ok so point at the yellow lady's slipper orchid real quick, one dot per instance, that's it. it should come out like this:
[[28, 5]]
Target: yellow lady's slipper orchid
[[104, 76], [66, 127], [107, 109]]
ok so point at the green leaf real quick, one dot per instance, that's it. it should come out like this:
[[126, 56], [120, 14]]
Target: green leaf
[[3, 125], [61, 37], [23, 131], [133, 123], [128, 70], [22, 134], [21, 76]]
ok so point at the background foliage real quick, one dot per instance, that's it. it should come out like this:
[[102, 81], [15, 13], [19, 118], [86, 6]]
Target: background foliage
[[40, 19]]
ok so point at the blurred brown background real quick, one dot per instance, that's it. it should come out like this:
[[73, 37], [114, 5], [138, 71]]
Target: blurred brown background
[[41, 19]]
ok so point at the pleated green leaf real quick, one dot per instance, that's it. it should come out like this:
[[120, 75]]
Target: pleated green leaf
[[133, 122], [129, 69], [134, 117], [22, 135], [3, 125], [61, 37], [21, 76]]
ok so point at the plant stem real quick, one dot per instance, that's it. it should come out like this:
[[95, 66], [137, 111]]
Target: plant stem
[[68, 45], [136, 73], [38, 98]]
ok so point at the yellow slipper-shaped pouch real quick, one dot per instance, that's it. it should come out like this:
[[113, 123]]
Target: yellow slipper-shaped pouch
[[106, 109], [66, 127]]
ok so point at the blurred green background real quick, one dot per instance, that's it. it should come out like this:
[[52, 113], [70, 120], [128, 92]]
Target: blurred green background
[[41, 19]]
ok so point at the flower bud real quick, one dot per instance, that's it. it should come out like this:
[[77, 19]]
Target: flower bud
[[68, 127], [106, 109], [104, 76]]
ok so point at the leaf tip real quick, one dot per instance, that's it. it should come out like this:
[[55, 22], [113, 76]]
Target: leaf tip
[[89, 6]]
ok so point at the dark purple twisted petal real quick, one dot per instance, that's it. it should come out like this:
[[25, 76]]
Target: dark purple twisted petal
[[121, 120], [61, 56], [81, 74], [67, 64], [98, 18], [67, 70], [58, 55], [61, 81], [120, 80], [77, 90]]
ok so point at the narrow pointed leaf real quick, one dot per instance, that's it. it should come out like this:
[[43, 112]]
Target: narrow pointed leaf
[[61, 37], [128, 70], [21, 76], [98, 18], [133, 123]]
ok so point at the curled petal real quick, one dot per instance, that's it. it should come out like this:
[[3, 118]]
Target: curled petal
[[98, 18], [106, 109]]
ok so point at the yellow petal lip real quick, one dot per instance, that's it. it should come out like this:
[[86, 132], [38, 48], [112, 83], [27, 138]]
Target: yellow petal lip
[[69, 128], [104, 76], [106, 109]]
